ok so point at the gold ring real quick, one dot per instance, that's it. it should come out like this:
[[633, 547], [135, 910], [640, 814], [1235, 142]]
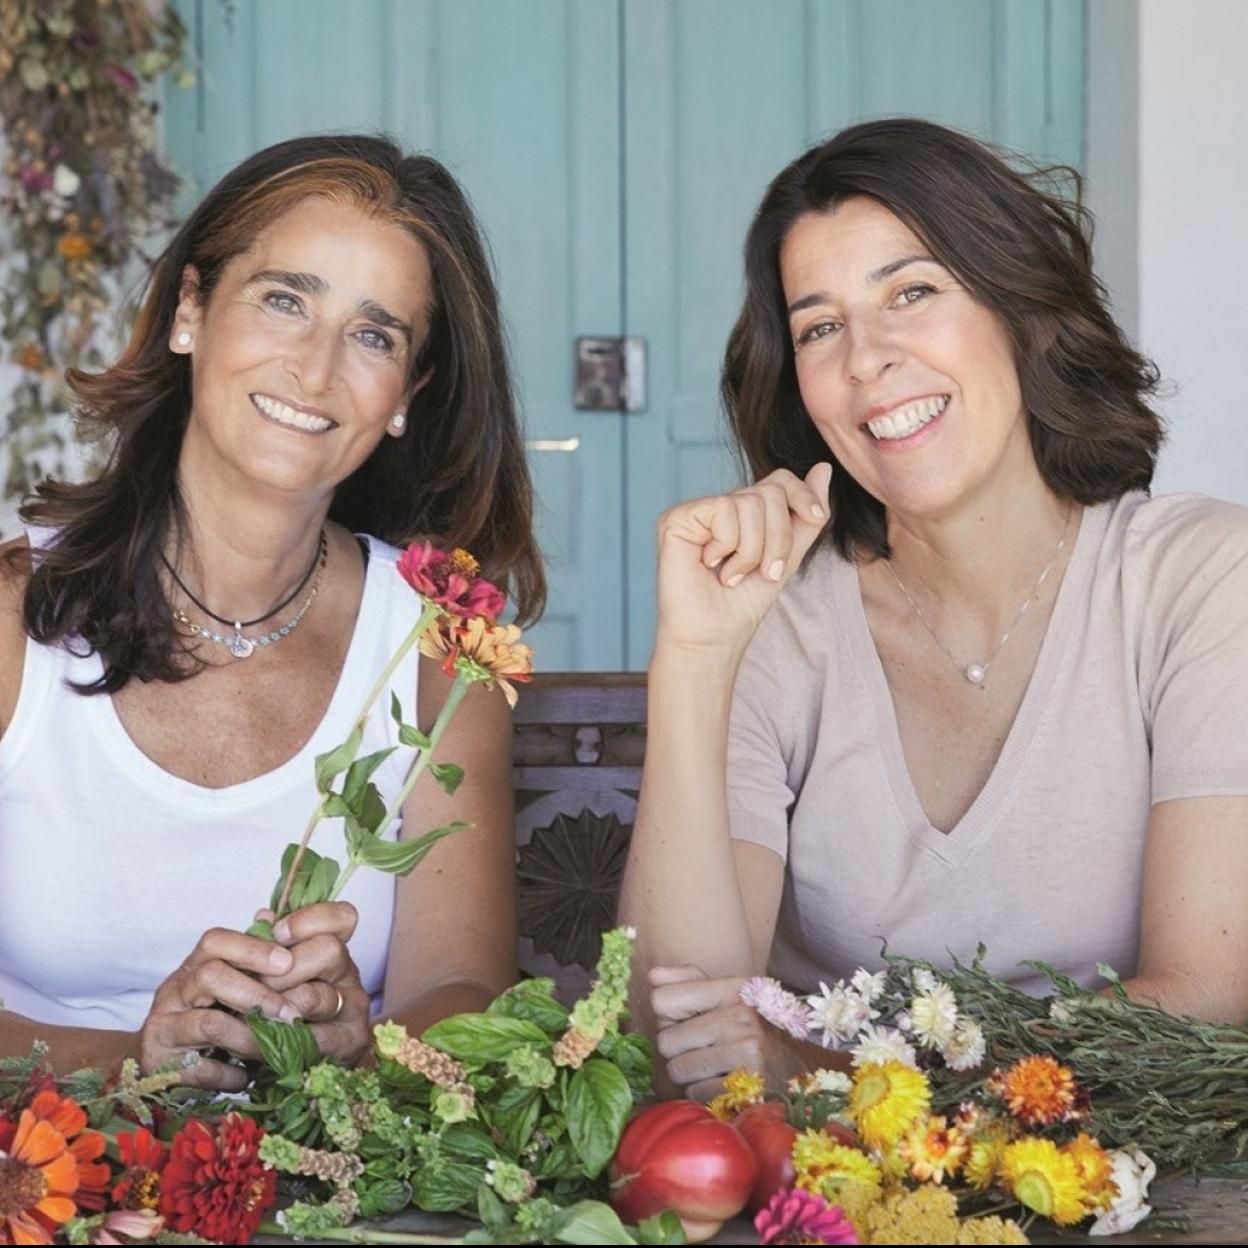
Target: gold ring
[[338, 1008]]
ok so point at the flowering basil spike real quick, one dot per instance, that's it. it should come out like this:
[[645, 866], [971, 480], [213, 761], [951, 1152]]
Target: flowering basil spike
[[599, 1012]]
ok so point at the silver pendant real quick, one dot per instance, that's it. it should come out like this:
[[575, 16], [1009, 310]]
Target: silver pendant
[[975, 674], [239, 646]]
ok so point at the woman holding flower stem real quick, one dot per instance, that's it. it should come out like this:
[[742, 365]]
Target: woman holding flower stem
[[945, 673], [317, 375]]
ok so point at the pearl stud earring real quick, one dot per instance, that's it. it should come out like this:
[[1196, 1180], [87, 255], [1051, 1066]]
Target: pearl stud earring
[[184, 339], [398, 422]]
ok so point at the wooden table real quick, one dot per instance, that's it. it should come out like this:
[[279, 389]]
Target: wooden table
[[1217, 1210]]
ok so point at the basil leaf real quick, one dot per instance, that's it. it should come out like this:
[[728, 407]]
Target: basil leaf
[[663, 1228], [534, 1000], [633, 1055], [590, 1222], [444, 1186], [599, 1101], [387, 1196], [288, 1049], [515, 1114], [468, 1141], [482, 1037]]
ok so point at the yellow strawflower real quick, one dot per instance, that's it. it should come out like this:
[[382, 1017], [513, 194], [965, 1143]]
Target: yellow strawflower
[[820, 1164], [1045, 1179], [984, 1159], [885, 1100], [1096, 1170]]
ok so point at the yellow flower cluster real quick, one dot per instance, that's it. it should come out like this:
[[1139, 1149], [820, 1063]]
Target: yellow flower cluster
[[922, 1215], [742, 1089]]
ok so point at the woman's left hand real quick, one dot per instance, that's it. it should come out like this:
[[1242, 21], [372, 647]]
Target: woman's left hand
[[324, 983], [705, 1031]]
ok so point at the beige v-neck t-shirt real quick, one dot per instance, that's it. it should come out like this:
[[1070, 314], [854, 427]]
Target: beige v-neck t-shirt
[[1139, 695]]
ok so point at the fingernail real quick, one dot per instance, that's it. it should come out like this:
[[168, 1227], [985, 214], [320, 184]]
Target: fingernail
[[734, 581], [714, 563], [818, 512], [282, 932], [281, 959], [288, 1014], [776, 571]]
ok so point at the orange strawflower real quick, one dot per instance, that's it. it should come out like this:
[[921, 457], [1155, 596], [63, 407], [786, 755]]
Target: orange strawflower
[[1039, 1090], [87, 1147], [933, 1149], [38, 1175], [1095, 1169], [73, 246]]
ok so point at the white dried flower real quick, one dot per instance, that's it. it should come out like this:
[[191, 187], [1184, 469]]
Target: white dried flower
[[867, 985], [1059, 1012], [934, 1016], [840, 1012], [878, 1045], [923, 980], [1134, 1170], [65, 182], [965, 1049]]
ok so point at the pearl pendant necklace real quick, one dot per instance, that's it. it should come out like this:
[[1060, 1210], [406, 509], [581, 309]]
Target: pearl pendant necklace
[[977, 673]]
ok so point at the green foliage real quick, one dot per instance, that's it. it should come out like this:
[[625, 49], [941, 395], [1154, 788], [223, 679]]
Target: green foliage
[[599, 1101]]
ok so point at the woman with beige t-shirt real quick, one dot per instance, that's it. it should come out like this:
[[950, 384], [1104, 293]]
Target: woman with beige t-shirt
[[1005, 698]]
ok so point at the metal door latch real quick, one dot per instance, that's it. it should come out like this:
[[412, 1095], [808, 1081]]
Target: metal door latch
[[610, 375]]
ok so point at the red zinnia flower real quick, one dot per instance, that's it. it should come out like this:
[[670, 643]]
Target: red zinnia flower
[[215, 1184], [87, 1147], [144, 1157], [451, 581]]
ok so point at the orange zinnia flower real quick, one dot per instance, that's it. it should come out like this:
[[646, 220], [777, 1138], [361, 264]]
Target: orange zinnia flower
[[87, 1147], [38, 1175], [480, 651], [1039, 1090]]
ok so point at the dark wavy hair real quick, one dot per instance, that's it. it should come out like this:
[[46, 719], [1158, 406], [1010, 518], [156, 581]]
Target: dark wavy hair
[[459, 476], [1018, 246]]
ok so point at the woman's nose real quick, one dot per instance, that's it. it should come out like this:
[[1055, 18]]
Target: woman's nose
[[314, 360], [872, 350]]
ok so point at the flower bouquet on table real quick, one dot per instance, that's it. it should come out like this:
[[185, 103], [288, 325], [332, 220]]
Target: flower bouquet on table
[[968, 1099]]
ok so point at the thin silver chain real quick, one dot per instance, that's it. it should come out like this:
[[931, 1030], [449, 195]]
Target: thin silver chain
[[977, 673]]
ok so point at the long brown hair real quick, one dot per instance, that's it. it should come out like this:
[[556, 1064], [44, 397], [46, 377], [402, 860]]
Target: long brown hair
[[459, 476], [1018, 246]]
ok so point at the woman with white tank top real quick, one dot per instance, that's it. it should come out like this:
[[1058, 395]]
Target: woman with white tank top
[[316, 373]]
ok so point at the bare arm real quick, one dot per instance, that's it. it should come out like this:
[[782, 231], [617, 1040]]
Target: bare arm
[[1194, 923], [453, 944]]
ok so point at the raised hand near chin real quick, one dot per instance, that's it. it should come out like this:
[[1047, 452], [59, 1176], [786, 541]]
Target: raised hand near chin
[[723, 560]]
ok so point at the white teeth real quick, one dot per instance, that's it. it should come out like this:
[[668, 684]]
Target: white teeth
[[901, 422], [289, 416]]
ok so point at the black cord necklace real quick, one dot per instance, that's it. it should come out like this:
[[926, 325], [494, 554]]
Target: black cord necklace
[[285, 602]]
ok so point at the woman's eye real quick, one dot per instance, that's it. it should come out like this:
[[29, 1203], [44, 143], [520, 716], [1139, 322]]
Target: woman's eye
[[281, 301], [375, 340], [821, 329], [913, 294]]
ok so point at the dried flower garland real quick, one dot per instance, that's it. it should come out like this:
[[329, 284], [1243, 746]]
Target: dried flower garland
[[83, 189]]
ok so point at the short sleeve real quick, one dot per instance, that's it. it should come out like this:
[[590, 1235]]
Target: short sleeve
[[1196, 650], [759, 794]]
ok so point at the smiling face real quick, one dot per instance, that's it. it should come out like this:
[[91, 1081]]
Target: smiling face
[[910, 381], [303, 352]]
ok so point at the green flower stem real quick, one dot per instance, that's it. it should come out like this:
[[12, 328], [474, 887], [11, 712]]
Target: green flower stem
[[430, 613], [418, 767], [360, 1235]]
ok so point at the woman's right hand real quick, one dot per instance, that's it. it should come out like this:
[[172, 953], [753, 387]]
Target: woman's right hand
[[724, 560], [190, 1011]]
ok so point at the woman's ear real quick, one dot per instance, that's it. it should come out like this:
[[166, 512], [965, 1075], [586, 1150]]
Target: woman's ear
[[189, 315], [418, 385]]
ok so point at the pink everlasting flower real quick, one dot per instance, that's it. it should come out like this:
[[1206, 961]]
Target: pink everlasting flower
[[780, 1008], [132, 1223], [451, 581], [793, 1216]]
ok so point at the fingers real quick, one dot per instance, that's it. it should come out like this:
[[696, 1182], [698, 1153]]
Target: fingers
[[674, 1002], [317, 1000], [714, 1062], [674, 974], [347, 1036], [316, 937], [331, 918], [220, 1076]]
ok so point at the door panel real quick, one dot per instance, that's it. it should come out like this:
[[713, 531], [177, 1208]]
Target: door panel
[[520, 100]]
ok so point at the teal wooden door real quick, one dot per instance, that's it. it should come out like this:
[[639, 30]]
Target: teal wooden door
[[520, 99], [616, 150]]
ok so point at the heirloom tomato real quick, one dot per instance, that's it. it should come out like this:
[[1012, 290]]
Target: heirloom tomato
[[679, 1156], [770, 1137]]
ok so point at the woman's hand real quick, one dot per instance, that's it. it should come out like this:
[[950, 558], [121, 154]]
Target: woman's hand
[[705, 1032], [724, 560], [323, 983], [191, 1009]]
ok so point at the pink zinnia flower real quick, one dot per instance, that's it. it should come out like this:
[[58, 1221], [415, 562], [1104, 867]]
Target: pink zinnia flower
[[780, 1008], [794, 1216], [451, 581]]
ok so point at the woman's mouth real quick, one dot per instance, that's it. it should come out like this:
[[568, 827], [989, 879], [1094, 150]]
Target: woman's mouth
[[905, 421], [290, 417]]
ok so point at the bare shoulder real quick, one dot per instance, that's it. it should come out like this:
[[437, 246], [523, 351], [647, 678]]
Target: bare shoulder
[[13, 578]]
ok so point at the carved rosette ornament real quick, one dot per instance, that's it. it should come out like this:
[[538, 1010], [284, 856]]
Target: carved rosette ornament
[[569, 881]]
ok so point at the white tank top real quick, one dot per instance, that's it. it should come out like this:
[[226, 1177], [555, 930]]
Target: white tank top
[[111, 868]]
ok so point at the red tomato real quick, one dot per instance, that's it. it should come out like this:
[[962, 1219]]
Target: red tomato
[[679, 1156], [770, 1139]]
